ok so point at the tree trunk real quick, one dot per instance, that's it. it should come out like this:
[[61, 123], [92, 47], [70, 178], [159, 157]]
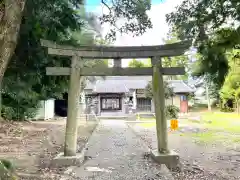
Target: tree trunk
[[208, 99], [11, 12], [237, 103]]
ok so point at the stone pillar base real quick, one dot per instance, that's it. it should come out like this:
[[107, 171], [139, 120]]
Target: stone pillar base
[[171, 160]]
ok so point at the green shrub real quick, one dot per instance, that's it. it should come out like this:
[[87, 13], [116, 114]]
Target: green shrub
[[19, 111], [7, 170], [227, 109], [172, 111]]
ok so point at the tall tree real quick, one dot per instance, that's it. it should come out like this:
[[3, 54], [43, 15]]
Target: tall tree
[[11, 12], [168, 90], [231, 87], [171, 111], [178, 61], [132, 12], [25, 82], [205, 21], [10, 20], [60, 21]]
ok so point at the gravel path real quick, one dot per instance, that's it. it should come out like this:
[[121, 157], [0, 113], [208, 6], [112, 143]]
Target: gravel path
[[200, 161], [115, 152]]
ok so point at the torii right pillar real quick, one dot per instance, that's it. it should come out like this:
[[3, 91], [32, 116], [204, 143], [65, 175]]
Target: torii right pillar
[[162, 154]]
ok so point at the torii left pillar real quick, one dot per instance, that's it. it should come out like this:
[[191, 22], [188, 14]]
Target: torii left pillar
[[70, 147]]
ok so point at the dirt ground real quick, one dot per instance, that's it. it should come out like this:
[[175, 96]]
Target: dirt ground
[[215, 160], [211, 160], [32, 145]]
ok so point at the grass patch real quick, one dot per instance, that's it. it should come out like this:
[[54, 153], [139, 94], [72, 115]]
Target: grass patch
[[236, 140], [214, 137], [147, 125], [145, 116], [229, 122], [222, 115], [147, 119]]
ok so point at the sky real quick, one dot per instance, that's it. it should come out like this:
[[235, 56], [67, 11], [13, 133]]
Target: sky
[[97, 2], [153, 36]]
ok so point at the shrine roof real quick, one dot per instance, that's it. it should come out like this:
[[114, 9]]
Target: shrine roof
[[122, 84]]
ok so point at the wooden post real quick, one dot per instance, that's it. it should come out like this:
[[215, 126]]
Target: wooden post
[[73, 106], [159, 104]]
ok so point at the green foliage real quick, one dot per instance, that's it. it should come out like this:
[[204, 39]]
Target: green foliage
[[198, 106], [25, 82], [132, 12], [231, 86], [167, 90], [7, 170], [137, 64], [172, 111], [191, 16], [190, 96], [226, 109], [205, 22], [212, 61], [176, 61], [8, 164]]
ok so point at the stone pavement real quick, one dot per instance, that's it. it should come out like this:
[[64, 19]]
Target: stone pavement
[[116, 153]]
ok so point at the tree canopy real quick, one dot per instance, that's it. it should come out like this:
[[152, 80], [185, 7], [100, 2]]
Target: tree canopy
[[199, 18], [132, 12], [213, 24], [231, 86], [167, 90], [171, 111], [25, 82], [137, 63], [177, 61]]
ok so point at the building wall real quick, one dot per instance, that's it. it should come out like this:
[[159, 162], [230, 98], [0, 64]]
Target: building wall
[[176, 101], [133, 94], [143, 105], [46, 110], [136, 94], [171, 101], [113, 113]]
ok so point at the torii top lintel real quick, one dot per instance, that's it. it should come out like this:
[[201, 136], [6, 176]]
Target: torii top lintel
[[115, 52]]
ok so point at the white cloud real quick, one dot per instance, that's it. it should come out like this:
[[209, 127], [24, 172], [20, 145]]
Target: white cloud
[[160, 28], [153, 36]]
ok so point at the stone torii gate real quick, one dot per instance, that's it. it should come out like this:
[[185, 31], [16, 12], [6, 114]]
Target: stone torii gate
[[163, 155]]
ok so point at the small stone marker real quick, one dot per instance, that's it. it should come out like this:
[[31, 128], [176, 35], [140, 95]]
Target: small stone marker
[[174, 124]]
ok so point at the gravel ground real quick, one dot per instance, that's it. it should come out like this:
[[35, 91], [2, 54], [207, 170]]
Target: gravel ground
[[115, 152], [208, 161]]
